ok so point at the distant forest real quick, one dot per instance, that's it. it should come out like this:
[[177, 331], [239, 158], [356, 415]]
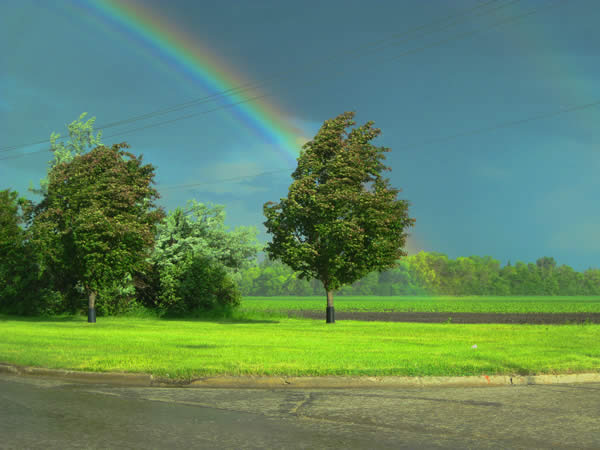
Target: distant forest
[[432, 274]]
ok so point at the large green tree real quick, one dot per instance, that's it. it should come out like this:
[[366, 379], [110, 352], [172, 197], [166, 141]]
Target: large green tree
[[331, 227], [98, 218]]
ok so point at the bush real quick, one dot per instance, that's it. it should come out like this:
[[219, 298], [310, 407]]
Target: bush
[[116, 298], [198, 284], [206, 286]]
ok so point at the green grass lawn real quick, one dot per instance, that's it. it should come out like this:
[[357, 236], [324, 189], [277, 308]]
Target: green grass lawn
[[185, 349], [428, 304]]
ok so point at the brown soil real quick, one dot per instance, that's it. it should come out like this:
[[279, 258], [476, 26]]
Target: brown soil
[[392, 316]]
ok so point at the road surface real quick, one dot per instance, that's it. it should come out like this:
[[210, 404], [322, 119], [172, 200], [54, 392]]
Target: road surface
[[56, 414]]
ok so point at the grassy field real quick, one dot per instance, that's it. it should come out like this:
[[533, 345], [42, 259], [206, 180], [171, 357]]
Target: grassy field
[[427, 304], [258, 343]]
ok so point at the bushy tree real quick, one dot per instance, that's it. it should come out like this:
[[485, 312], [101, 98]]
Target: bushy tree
[[207, 286], [398, 280], [591, 282], [187, 240], [422, 272], [25, 289], [97, 221], [331, 227], [13, 261]]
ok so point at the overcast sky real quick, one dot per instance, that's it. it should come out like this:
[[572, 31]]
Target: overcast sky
[[431, 75]]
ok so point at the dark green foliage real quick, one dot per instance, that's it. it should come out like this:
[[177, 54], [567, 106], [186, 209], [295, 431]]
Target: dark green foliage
[[192, 248], [12, 247], [331, 227], [23, 288], [96, 226], [206, 284], [203, 286], [147, 287]]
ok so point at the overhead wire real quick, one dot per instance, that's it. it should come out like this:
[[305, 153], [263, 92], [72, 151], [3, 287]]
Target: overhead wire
[[437, 43], [420, 143], [451, 19], [454, 37], [476, 131]]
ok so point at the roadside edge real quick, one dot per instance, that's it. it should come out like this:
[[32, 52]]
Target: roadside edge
[[142, 379]]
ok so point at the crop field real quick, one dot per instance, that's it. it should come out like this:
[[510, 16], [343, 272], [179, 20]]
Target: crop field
[[473, 304]]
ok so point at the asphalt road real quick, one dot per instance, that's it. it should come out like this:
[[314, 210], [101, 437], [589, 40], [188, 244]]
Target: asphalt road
[[49, 413]]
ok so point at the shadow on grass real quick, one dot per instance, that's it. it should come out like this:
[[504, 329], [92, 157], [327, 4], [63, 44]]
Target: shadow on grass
[[225, 320], [62, 318], [221, 320]]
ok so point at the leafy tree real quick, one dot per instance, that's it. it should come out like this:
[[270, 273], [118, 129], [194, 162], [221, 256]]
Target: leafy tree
[[98, 220], [399, 281], [297, 286], [546, 263], [546, 269], [24, 289], [330, 227], [13, 261], [423, 274], [81, 137], [247, 280], [367, 285], [183, 239], [567, 280], [206, 286], [591, 282]]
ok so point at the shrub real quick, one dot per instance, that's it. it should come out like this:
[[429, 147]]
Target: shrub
[[206, 286], [116, 298], [197, 284]]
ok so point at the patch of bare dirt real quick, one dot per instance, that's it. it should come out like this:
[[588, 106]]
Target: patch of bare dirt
[[436, 317]]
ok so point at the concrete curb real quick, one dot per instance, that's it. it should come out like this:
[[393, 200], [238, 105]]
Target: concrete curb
[[134, 379]]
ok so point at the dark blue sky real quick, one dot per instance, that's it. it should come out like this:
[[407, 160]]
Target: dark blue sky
[[515, 193]]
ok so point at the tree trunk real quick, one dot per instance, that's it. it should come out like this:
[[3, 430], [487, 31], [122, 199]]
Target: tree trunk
[[330, 312], [91, 307]]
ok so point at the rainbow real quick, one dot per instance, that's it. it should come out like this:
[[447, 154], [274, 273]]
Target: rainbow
[[184, 53]]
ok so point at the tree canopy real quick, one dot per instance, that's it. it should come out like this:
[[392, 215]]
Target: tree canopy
[[330, 227], [13, 260], [98, 219], [81, 136], [188, 240]]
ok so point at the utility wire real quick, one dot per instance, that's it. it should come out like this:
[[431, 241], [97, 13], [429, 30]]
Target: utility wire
[[504, 124], [417, 144], [454, 37], [252, 85], [183, 186], [437, 43], [359, 51]]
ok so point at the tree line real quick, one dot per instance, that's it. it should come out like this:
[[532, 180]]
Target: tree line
[[433, 274]]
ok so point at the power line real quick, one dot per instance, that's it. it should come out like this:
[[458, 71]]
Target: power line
[[454, 37], [469, 33], [183, 186], [252, 85], [440, 139], [507, 124], [437, 43], [457, 36]]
